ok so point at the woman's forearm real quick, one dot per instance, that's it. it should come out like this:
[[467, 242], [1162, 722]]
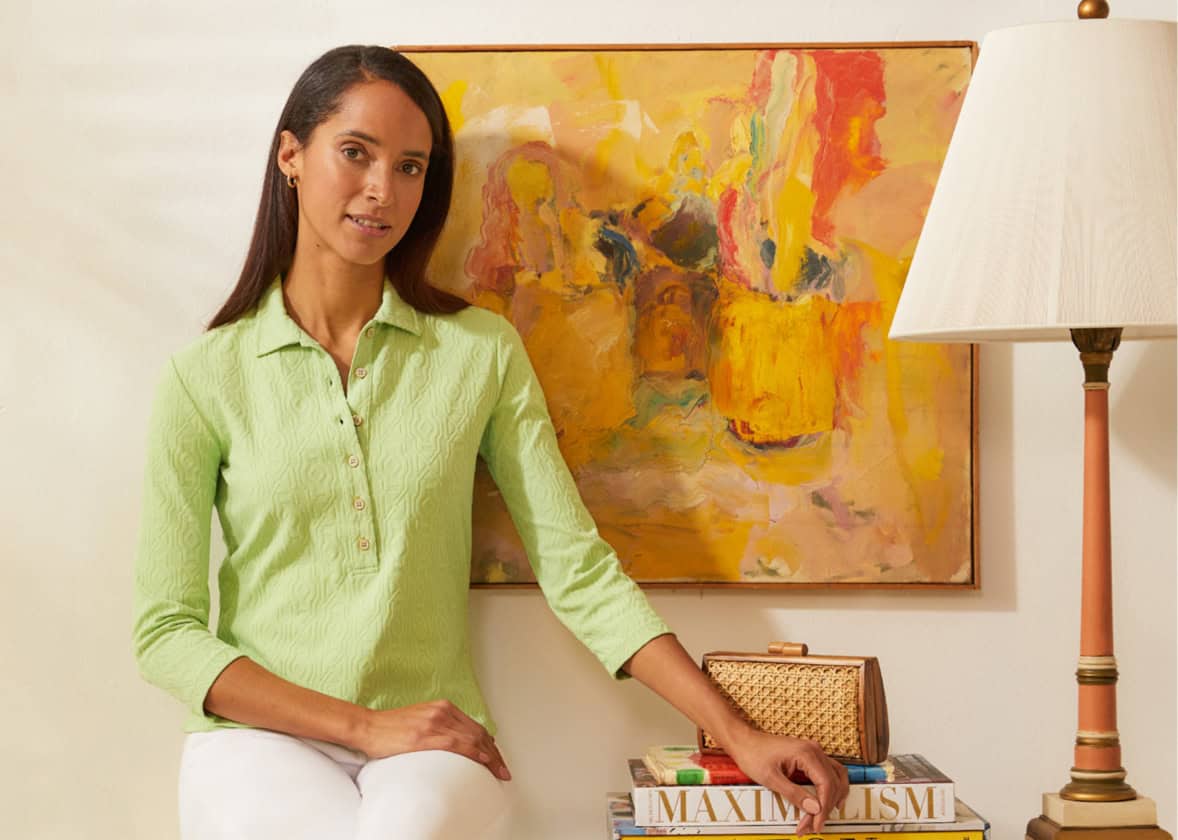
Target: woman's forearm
[[667, 669], [247, 693]]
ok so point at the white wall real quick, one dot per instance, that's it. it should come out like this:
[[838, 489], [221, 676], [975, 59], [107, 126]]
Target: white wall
[[134, 136]]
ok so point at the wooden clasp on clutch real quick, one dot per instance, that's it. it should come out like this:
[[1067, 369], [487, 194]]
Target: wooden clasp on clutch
[[788, 648]]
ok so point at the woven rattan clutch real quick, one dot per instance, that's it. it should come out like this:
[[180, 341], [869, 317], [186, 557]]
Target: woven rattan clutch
[[837, 701]]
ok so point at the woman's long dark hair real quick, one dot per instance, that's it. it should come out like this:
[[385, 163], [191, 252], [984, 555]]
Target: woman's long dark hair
[[315, 97]]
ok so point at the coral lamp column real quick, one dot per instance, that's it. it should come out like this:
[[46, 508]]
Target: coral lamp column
[[1097, 775]]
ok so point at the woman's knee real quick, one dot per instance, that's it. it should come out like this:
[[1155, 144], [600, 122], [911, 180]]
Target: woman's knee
[[436, 794], [257, 785]]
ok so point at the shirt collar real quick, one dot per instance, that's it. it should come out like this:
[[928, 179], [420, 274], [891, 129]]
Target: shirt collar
[[276, 329], [396, 312]]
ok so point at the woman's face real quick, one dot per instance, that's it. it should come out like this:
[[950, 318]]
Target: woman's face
[[360, 174]]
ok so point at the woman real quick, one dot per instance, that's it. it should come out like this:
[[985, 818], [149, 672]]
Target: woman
[[332, 415]]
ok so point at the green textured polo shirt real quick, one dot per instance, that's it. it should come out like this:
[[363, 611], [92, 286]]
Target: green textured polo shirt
[[347, 517]]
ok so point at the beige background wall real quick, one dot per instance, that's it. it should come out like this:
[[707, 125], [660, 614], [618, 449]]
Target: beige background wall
[[134, 136]]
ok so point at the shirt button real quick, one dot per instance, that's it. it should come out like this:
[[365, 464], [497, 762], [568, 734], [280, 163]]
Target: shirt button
[[353, 461], [368, 332], [358, 503], [361, 373], [357, 419], [363, 543]]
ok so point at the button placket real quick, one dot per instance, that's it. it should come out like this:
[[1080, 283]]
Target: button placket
[[361, 522], [355, 520], [357, 401], [357, 387]]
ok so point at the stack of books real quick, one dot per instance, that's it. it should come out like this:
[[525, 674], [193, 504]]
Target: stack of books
[[677, 791]]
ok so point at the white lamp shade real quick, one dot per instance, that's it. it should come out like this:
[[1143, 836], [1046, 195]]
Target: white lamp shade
[[1056, 204]]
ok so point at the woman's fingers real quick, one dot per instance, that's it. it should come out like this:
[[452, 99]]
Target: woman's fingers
[[830, 782], [807, 806], [478, 750], [844, 783], [461, 733], [488, 750], [435, 725]]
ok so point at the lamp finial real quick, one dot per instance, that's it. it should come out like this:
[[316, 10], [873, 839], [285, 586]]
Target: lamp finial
[[1092, 9]]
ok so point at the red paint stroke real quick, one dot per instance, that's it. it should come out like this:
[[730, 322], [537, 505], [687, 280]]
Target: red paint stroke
[[849, 91], [762, 82], [850, 352], [491, 263], [729, 260]]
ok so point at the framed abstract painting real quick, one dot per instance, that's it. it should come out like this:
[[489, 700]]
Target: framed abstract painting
[[702, 248]]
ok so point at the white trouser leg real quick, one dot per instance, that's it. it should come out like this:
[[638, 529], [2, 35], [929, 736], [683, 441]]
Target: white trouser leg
[[432, 795], [251, 784]]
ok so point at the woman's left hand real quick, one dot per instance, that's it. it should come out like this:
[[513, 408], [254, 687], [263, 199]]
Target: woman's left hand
[[771, 759], [664, 665]]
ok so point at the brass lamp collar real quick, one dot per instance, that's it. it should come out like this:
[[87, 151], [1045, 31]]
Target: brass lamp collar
[[1096, 346]]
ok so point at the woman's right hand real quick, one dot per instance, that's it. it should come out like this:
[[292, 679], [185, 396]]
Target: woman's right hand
[[433, 725]]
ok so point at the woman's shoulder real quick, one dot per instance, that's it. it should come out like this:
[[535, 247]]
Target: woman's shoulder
[[473, 323], [213, 354]]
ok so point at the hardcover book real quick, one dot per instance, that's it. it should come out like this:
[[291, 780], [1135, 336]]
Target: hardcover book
[[917, 793], [686, 765], [969, 825]]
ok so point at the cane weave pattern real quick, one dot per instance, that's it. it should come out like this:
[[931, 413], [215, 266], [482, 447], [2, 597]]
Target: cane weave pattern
[[820, 702]]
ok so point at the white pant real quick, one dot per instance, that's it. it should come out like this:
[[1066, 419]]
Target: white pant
[[253, 784]]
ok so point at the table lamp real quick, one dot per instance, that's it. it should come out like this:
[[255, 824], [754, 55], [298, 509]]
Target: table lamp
[[1054, 218]]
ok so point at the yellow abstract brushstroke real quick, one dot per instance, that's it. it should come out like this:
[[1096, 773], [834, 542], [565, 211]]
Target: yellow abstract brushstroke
[[685, 173], [452, 96], [919, 448], [789, 228], [773, 376], [608, 70], [580, 350], [614, 168]]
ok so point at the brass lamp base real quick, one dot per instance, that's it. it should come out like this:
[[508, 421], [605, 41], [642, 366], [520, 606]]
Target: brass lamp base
[[1098, 786], [1065, 819], [1042, 828]]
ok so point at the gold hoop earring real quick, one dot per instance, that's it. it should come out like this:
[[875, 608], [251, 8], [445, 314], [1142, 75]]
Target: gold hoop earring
[[291, 181]]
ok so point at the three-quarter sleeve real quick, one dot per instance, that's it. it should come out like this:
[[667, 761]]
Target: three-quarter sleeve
[[173, 644], [577, 570]]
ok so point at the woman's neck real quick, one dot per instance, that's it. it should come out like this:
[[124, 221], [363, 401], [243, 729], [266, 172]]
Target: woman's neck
[[333, 306]]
